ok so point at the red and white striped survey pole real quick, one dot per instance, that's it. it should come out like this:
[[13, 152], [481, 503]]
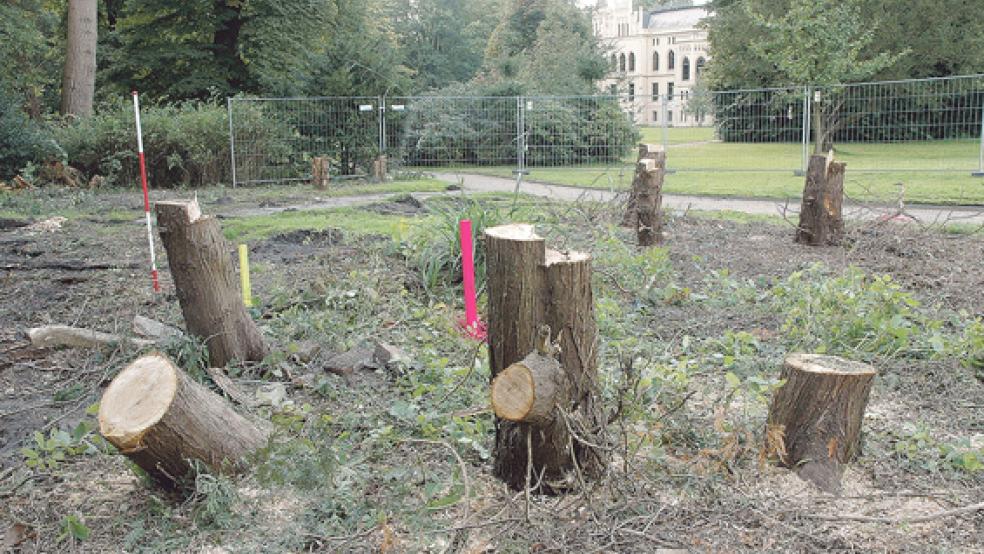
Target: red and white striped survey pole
[[143, 180]]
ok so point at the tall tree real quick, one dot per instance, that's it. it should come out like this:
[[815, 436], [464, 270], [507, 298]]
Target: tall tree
[[79, 76]]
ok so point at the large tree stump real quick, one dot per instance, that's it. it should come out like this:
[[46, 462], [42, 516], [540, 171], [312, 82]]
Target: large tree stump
[[649, 200], [533, 288], [821, 221], [161, 419], [815, 418], [379, 168], [653, 152], [206, 283], [319, 173]]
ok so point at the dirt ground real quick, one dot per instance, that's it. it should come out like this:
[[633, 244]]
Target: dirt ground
[[699, 494]]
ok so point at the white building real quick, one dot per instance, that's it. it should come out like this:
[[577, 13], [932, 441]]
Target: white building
[[656, 57]]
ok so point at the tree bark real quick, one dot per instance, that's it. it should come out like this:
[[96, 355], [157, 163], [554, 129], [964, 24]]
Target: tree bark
[[532, 288], [821, 220], [815, 418], [207, 288], [79, 75], [161, 419], [646, 152], [319, 173], [649, 200]]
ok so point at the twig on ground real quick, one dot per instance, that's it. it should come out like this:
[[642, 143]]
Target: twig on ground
[[898, 520]]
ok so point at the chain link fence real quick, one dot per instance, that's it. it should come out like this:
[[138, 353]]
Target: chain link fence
[[930, 125]]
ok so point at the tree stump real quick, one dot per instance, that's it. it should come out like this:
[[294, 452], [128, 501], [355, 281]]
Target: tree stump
[[821, 221], [160, 418], [530, 289], [207, 288], [319, 173], [815, 418], [646, 152], [379, 168], [649, 200]]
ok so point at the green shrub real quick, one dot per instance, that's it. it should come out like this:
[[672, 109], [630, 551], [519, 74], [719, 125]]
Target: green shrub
[[21, 140], [185, 144]]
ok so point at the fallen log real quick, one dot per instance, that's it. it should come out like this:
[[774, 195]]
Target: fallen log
[[65, 266], [51, 336], [163, 421], [206, 283], [815, 418]]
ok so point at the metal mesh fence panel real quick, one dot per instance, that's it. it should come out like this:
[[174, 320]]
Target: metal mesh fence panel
[[900, 126]]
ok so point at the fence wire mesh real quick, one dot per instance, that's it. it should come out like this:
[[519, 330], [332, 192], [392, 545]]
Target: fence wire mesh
[[900, 126]]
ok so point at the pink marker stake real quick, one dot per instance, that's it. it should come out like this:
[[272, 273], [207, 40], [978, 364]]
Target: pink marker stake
[[146, 195], [472, 324]]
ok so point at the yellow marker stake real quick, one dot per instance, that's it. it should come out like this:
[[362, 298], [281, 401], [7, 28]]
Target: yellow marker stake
[[244, 275]]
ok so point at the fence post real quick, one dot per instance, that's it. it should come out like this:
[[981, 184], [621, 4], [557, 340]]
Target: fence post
[[980, 161], [232, 141], [666, 124], [806, 132]]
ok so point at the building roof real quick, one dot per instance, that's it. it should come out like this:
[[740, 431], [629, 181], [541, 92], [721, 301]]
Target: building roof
[[674, 18]]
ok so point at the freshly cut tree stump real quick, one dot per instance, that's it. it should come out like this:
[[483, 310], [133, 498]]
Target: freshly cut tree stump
[[532, 290], [649, 200], [653, 152], [160, 419], [206, 283], [821, 221], [379, 168], [815, 418], [319, 173]]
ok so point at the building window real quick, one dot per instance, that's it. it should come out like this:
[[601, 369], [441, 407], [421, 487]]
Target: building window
[[685, 69], [621, 62], [671, 61], [655, 61], [669, 116], [699, 67], [655, 117], [631, 61], [631, 92], [613, 89], [669, 90], [614, 62], [655, 91]]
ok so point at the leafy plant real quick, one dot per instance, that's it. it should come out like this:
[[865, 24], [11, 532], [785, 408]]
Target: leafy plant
[[49, 451], [72, 528]]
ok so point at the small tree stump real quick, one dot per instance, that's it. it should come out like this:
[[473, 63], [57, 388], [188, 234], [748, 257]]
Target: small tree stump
[[815, 418], [206, 283], [532, 290], [160, 418], [379, 168], [646, 152], [821, 221], [319, 173], [649, 200]]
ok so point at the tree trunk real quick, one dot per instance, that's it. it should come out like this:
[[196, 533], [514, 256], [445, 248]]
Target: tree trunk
[[646, 152], [531, 288], [821, 220], [649, 200], [319, 173], [815, 419], [79, 75], [379, 168], [207, 288], [161, 419]]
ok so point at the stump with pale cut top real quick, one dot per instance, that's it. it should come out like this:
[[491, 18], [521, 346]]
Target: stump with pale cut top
[[821, 221], [643, 181], [319, 172], [815, 418], [162, 420], [205, 280], [539, 393]]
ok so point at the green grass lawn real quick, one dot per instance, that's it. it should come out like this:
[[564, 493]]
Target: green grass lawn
[[936, 172]]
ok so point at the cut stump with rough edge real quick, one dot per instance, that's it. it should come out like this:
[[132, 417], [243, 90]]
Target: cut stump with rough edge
[[649, 200], [531, 288], [201, 265], [821, 219], [160, 418], [646, 152], [818, 413], [320, 175]]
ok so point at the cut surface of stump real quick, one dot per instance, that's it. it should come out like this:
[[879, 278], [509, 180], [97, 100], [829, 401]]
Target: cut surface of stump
[[161, 419], [821, 220], [206, 283], [533, 290], [815, 418]]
